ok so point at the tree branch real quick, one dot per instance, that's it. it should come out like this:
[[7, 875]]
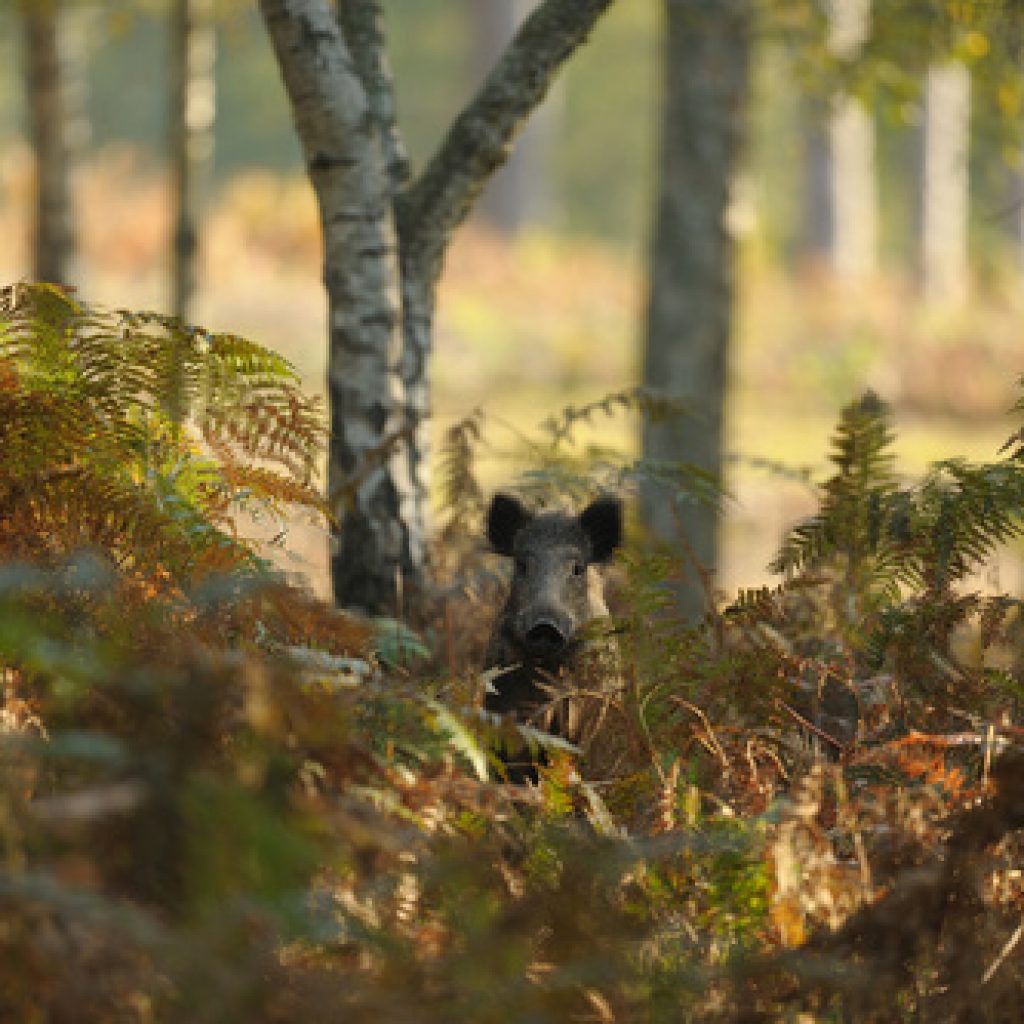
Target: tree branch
[[478, 141], [362, 24]]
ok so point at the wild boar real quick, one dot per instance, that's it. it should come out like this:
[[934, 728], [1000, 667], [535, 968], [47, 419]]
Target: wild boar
[[540, 638]]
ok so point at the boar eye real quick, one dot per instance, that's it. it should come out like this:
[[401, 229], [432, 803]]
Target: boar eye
[[578, 568]]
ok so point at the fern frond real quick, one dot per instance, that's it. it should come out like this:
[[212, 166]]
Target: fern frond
[[965, 512], [561, 428], [862, 508], [93, 452], [461, 495], [131, 368]]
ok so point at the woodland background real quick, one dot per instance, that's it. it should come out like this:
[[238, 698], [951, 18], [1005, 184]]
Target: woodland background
[[222, 798], [560, 274]]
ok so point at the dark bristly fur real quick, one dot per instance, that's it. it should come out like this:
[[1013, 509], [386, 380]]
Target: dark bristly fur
[[556, 592]]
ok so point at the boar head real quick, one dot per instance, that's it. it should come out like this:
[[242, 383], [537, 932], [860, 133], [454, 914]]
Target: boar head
[[554, 592]]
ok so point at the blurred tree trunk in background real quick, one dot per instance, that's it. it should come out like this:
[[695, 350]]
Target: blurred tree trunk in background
[[852, 137], [385, 238], [842, 193], [817, 229], [193, 107], [690, 309], [54, 40], [522, 192], [944, 186], [1014, 213]]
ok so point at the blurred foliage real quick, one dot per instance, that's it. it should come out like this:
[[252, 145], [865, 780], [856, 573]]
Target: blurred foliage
[[608, 99], [223, 801], [810, 745]]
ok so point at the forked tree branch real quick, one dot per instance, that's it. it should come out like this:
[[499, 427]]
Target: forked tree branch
[[478, 141]]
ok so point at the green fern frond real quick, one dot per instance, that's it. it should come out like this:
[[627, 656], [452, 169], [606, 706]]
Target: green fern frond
[[862, 508], [964, 513], [133, 367], [96, 449]]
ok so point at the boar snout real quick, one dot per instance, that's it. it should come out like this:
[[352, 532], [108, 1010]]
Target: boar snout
[[546, 638]]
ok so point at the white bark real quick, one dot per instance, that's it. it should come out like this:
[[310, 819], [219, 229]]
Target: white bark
[[193, 109], [848, 22], [344, 114], [843, 193], [854, 191], [944, 199], [346, 166], [362, 22]]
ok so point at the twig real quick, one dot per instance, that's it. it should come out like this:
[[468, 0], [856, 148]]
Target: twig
[[1003, 954], [820, 733], [712, 738], [478, 141], [343, 493]]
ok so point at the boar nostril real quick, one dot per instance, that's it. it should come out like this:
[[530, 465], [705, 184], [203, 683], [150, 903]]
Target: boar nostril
[[545, 638]]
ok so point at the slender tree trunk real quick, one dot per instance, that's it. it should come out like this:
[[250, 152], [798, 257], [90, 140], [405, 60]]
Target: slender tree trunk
[[852, 143], [854, 191], [193, 108], [476, 145], [346, 165], [689, 317], [944, 192], [842, 193], [57, 126], [362, 24], [381, 285], [1014, 218], [522, 192], [818, 226]]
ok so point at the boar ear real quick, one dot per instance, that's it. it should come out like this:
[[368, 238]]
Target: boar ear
[[505, 518], [602, 523]]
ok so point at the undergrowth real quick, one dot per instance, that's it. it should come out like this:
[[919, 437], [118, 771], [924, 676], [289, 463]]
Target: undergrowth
[[224, 801]]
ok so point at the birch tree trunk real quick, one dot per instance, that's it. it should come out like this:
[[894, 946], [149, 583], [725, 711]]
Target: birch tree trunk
[[346, 166], [384, 244], [818, 230], [690, 307], [944, 191], [852, 143], [842, 192], [854, 192], [1015, 216], [193, 108], [58, 129]]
